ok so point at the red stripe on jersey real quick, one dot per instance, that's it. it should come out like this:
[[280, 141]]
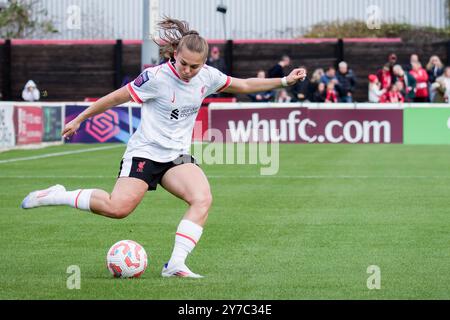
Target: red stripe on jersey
[[175, 71], [226, 85], [187, 237], [133, 94]]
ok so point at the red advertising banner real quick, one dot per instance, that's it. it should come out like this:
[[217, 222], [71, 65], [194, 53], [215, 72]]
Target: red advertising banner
[[28, 125], [303, 125]]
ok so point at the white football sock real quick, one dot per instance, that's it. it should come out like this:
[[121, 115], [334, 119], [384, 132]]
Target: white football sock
[[187, 236], [79, 199]]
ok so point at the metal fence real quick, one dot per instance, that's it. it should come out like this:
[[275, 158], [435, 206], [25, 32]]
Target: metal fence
[[245, 19]]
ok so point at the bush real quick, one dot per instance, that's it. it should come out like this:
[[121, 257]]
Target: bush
[[359, 29]]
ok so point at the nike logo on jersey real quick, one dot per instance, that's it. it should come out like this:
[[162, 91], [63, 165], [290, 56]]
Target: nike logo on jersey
[[173, 97]]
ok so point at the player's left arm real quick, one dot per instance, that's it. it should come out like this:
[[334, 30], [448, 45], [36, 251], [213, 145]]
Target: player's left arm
[[252, 85]]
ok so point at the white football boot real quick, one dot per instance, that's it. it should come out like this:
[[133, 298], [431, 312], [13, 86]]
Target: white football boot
[[178, 270], [42, 197]]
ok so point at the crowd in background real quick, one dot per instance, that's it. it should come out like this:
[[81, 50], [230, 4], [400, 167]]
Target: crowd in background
[[410, 83], [392, 83]]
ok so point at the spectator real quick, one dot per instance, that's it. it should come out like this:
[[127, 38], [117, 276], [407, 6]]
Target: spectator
[[442, 85], [421, 76], [375, 91], [408, 82], [385, 76], [301, 91], [266, 96], [314, 82], [347, 83], [283, 96], [216, 61], [412, 59], [30, 92], [332, 96], [392, 61], [277, 71], [330, 75], [435, 69], [321, 94], [393, 95], [438, 88]]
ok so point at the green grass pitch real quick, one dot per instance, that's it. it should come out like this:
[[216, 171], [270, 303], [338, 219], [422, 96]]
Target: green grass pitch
[[309, 232]]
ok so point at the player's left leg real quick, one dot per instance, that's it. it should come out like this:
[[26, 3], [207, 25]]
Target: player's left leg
[[188, 182]]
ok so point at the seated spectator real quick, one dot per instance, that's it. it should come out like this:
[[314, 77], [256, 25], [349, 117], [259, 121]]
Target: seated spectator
[[30, 92], [443, 84], [283, 96], [346, 83], [393, 95], [314, 82], [408, 82], [375, 91], [421, 76], [266, 96], [301, 91], [330, 75], [332, 96], [385, 76], [277, 71], [321, 93]]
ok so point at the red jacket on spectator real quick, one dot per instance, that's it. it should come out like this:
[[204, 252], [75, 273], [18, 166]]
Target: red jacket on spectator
[[385, 77], [421, 76], [392, 97], [331, 96]]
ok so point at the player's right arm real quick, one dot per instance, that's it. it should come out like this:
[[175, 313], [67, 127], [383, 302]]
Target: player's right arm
[[113, 99]]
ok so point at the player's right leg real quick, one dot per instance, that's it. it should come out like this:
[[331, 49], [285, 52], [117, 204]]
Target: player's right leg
[[127, 194]]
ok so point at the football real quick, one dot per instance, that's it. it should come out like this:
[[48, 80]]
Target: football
[[126, 259]]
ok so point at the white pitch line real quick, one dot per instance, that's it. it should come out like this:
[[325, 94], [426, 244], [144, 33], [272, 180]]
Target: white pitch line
[[235, 177], [57, 154]]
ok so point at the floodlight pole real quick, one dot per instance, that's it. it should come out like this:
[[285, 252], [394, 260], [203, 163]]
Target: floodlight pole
[[223, 10], [150, 50]]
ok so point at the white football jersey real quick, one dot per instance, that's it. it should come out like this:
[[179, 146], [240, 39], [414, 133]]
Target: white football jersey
[[169, 109]]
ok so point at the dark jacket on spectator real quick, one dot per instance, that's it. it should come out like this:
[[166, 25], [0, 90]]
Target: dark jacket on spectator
[[347, 83], [434, 73], [218, 64], [276, 72], [266, 96], [319, 96], [303, 87], [410, 86]]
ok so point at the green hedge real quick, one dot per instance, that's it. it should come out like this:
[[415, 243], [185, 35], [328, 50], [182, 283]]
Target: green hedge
[[359, 29]]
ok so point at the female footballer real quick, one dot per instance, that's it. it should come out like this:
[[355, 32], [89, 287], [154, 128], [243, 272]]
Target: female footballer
[[158, 152]]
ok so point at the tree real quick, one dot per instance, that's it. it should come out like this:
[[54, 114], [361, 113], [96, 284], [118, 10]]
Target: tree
[[18, 20], [447, 11]]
